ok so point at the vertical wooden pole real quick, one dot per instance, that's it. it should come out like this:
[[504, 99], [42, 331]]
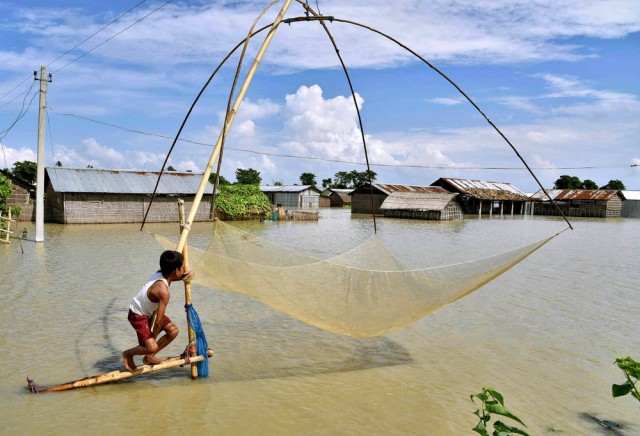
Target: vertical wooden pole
[[187, 288], [216, 150]]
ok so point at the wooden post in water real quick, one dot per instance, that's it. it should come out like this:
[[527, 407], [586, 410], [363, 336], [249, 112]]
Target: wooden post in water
[[187, 288]]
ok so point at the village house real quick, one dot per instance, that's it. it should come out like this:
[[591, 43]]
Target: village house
[[376, 193], [293, 196], [432, 205], [21, 196], [336, 197], [480, 197], [630, 204], [81, 196], [597, 203]]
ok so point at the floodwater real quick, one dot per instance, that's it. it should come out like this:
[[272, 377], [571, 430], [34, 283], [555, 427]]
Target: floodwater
[[545, 334]]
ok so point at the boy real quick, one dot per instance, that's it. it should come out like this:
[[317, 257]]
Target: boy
[[154, 297]]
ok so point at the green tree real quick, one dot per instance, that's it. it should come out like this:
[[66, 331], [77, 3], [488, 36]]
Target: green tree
[[25, 171], [6, 188], [341, 180], [58, 164], [359, 178], [278, 183], [221, 180], [614, 184], [568, 182], [170, 168], [248, 177], [589, 184], [308, 179], [326, 183], [240, 200]]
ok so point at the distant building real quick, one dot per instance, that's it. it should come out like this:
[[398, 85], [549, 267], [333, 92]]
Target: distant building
[[293, 196], [441, 206], [81, 196], [598, 203], [480, 197], [21, 196], [339, 197], [630, 204], [368, 198]]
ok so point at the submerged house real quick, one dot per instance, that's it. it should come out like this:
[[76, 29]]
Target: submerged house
[[22, 195], [480, 197], [82, 196], [630, 204], [442, 206], [595, 203], [368, 198], [340, 197], [293, 196]]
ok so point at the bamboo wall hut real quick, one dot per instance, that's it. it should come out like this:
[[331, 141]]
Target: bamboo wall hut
[[597, 203], [340, 197], [630, 204], [293, 196], [361, 198], [83, 196], [440, 206], [481, 197]]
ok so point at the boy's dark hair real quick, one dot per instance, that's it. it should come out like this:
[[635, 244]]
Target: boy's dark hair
[[170, 261]]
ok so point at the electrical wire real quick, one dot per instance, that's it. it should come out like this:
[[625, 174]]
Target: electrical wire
[[343, 161], [83, 41]]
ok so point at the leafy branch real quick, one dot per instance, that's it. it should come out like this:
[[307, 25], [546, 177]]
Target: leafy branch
[[493, 402], [631, 370]]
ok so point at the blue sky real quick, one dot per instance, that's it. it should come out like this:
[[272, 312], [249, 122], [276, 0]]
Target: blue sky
[[560, 79]]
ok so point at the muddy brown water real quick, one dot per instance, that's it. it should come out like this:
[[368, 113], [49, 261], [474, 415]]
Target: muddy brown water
[[545, 334]]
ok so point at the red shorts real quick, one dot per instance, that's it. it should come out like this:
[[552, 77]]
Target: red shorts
[[140, 324]]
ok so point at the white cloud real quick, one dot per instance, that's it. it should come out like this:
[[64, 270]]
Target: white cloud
[[13, 155], [446, 101]]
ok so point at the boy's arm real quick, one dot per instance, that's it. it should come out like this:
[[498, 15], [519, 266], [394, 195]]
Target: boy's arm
[[161, 292]]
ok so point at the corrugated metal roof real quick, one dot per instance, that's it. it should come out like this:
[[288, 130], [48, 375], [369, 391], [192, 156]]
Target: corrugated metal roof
[[576, 194], [436, 201], [124, 181], [288, 188], [388, 188], [464, 185], [631, 195]]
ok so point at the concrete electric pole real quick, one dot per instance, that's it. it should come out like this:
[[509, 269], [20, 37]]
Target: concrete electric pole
[[40, 164]]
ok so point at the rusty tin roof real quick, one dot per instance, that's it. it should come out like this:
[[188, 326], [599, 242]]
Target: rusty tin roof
[[576, 194]]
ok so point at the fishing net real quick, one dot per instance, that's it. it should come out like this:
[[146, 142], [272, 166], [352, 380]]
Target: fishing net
[[364, 292]]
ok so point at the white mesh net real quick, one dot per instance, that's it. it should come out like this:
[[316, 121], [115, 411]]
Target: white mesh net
[[364, 292]]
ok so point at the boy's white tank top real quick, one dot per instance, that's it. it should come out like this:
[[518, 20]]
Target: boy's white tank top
[[141, 303]]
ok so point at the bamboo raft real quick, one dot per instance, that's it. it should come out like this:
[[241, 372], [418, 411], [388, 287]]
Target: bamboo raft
[[113, 376]]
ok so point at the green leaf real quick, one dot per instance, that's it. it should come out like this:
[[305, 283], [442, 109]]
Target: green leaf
[[504, 429], [497, 395], [621, 390], [501, 410], [481, 429]]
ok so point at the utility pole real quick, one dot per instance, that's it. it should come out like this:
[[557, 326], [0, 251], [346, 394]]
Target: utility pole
[[40, 163]]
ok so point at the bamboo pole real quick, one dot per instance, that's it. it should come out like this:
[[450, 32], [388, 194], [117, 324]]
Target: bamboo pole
[[113, 376], [225, 128], [187, 288]]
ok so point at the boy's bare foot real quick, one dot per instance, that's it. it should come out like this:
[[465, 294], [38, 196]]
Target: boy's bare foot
[[129, 364], [151, 360]]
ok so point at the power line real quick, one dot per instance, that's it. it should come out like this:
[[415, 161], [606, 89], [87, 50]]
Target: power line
[[85, 40], [264, 153], [96, 32], [109, 39]]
